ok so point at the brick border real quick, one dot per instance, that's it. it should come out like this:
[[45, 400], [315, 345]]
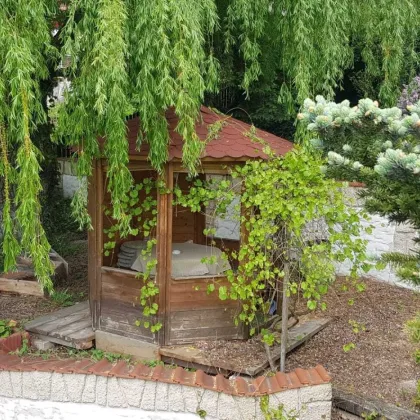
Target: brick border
[[47, 391], [239, 386], [13, 342], [356, 184], [121, 385]]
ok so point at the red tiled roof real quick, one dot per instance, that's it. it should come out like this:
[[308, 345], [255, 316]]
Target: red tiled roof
[[232, 140]]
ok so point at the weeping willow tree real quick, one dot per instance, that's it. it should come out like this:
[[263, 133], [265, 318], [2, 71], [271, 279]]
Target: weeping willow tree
[[138, 56]]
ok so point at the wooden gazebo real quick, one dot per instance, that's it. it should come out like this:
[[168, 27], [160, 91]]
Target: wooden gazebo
[[186, 311]]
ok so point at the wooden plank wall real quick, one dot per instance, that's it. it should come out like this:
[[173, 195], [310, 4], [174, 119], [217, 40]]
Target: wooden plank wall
[[120, 308], [192, 314], [195, 315]]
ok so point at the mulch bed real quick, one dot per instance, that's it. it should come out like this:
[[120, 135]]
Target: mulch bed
[[24, 307], [77, 258], [381, 360], [383, 356]]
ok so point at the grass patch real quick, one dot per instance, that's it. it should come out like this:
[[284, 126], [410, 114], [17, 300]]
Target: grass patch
[[417, 356], [413, 328], [62, 298]]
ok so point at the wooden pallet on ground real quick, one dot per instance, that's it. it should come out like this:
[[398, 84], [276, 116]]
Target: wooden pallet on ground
[[71, 327]]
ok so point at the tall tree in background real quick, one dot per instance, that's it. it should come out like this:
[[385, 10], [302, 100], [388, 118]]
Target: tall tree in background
[[144, 56]]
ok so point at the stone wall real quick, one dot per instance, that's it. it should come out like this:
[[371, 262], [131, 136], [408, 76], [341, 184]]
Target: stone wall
[[385, 237], [70, 183], [53, 395]]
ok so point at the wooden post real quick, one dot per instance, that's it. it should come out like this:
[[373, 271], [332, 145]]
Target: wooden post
[[164, 244], [95, 199], [200, 222], [243, 239], [92, 203], [169, 227], [99, 241]]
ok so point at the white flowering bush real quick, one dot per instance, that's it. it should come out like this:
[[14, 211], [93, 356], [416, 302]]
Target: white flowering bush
[[379, 147]]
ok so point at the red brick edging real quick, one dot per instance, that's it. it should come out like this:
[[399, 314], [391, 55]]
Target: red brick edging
[[356, 184], [262, 385], [240, 386], [13, 342]]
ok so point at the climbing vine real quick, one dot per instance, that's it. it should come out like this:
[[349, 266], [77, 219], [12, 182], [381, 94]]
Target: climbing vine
[[290, 213], [140, 204], [279, 413], [290, 210]]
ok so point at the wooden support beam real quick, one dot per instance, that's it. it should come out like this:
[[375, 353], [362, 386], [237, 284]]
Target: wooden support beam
[[169, 228], [95, 257], [92, 204], [164, 241], [200, 221], [243, 239]]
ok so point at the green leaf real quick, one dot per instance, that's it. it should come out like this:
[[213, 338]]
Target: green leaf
[[223, 293], [312, 305]]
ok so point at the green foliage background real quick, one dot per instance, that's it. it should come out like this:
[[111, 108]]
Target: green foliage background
[[138, 56]]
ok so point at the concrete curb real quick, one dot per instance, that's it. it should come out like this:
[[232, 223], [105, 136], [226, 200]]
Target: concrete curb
[[357, 405]]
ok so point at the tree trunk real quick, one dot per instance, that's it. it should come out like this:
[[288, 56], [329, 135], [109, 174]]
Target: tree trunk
[[284, 313]]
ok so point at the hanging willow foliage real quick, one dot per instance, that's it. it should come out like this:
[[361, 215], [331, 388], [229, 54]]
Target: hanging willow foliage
[[313, 42], [141, 56], [24, 44], [135, 56]]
